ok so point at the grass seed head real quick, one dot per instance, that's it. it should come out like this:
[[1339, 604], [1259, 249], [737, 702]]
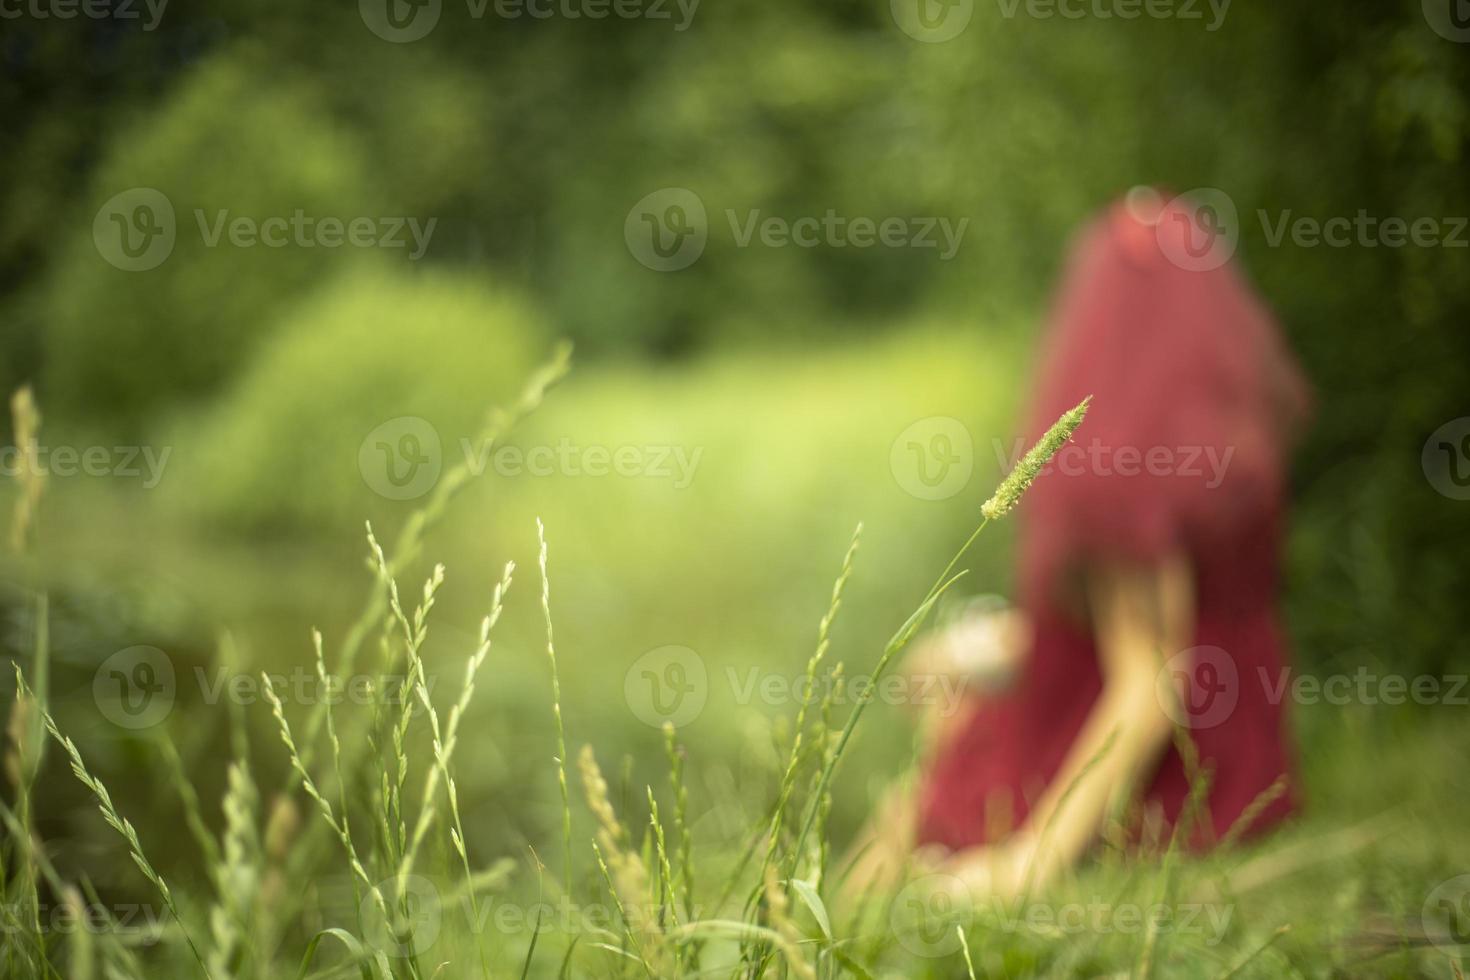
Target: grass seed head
[[1008, 494]]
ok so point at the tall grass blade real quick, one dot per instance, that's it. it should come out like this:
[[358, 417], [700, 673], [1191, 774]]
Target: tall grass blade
[[561, 737]]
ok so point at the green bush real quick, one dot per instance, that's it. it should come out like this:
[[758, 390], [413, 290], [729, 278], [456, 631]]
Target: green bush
[[281, 450], [238, 134]]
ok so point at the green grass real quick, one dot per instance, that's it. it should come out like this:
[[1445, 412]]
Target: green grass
[[427, 826]]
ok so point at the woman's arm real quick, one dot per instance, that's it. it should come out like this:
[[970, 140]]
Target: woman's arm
[[1140, 616]]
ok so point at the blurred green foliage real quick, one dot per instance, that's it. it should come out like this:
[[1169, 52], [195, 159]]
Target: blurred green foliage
[[371, 345], [529, 140], [791, 370], [237, 135]]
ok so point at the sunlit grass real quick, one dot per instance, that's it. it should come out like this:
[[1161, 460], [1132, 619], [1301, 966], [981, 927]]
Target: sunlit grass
[[630, 887]]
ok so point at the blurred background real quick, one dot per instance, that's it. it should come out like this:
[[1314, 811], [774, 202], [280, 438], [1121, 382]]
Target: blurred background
[[272, 263]]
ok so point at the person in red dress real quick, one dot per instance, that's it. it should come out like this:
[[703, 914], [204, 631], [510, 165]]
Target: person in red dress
[[1149, 576]]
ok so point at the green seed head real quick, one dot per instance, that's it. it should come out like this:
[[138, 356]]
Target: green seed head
[[1008, 494]]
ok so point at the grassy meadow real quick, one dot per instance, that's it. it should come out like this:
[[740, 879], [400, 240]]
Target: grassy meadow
[[273, 274], [733, 570]]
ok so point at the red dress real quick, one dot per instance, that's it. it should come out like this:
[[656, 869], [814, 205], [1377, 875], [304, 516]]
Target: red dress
[[1182, 452]]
